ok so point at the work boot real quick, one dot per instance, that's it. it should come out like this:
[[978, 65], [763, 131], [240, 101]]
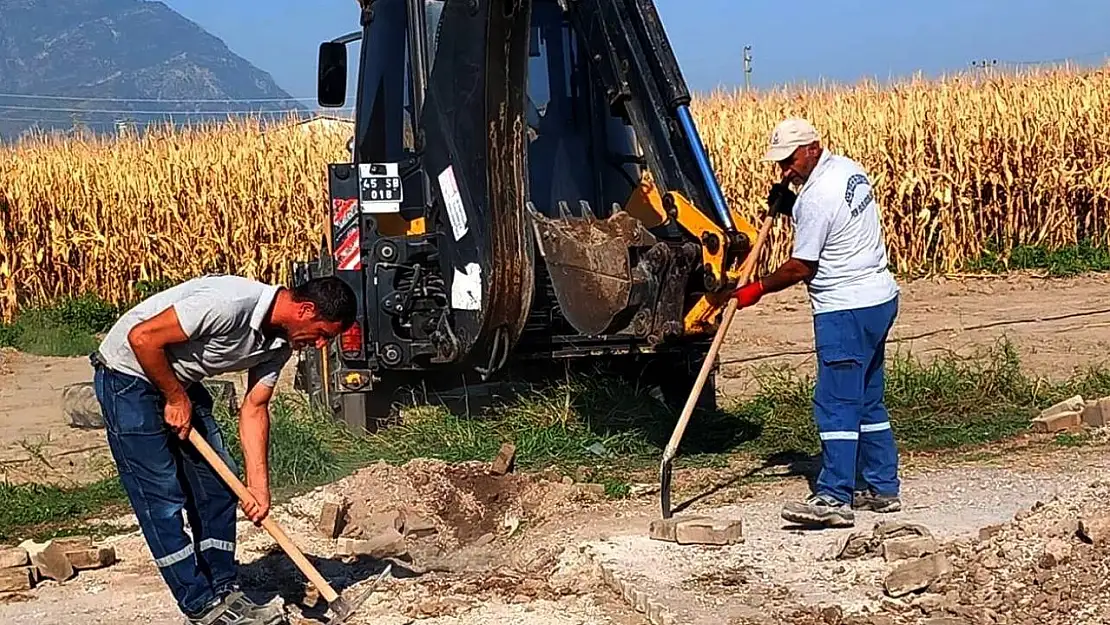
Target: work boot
[[820, 511], [236, 609], [870, 500]]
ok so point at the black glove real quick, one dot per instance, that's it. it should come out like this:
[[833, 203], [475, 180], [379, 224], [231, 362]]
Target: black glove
[[780, 201]]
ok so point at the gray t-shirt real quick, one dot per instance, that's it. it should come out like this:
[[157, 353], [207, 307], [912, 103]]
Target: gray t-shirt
[[222, 316]]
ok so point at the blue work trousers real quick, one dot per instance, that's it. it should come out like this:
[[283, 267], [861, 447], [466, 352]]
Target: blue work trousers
[[169, 483], [857, 442]]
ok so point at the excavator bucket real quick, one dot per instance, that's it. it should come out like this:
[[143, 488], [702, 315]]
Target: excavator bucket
[[590, 265]]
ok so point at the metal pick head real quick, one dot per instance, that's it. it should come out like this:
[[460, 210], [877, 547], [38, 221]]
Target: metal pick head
[[342, 609]]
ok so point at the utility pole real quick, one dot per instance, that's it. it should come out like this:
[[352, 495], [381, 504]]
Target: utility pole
[[747, 68]]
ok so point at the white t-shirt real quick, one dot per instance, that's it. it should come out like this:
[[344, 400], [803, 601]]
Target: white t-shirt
[[836, 223]]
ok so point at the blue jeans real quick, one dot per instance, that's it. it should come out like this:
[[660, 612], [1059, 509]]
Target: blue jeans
[[857, 442], [169, 482]]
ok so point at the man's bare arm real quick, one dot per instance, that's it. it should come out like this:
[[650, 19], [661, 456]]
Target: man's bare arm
[[793, 271], [254, 436], [149, 340]]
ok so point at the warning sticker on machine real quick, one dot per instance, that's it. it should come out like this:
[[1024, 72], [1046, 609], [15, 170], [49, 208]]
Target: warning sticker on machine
[[466, 288], [456, 212]]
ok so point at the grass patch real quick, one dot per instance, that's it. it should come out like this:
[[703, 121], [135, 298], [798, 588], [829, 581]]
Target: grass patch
[[68, 328], [32, 510], [1084, 257], [613, 429]]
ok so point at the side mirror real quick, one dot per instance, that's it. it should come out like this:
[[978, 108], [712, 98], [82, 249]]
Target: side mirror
[[331, 77]]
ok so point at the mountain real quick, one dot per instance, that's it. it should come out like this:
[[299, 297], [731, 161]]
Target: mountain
[[106, 61]]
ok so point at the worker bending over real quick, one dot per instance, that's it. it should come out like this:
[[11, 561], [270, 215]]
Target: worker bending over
[[840, 254], [148, 377]]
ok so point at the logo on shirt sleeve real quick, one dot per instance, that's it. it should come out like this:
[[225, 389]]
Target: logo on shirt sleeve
[[854, 184]]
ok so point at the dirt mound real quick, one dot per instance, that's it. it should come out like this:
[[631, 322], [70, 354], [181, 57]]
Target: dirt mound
[[465, 503]]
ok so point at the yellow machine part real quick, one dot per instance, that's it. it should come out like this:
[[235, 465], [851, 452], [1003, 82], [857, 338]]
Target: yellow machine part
[[646, 204]]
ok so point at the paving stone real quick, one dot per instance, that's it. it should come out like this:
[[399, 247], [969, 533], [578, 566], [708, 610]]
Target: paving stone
[[503, 463], [13, 557], [664, 529], [16, 579], [1072, 404], [1096, 413], [709, 532], [333, 518], [1059, 422]]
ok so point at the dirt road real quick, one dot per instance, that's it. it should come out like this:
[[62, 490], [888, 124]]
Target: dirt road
[[1057, 325], [527, 551]]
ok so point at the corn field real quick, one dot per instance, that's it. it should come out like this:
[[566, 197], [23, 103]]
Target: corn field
[[957, 164]]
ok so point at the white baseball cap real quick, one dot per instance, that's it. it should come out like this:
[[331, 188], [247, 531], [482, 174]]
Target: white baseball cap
[[788, 136]]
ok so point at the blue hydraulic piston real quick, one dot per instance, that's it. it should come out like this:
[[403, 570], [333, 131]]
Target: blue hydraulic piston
[[702, 158]]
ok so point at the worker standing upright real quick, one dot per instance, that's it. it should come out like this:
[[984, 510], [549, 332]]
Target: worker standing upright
[[840, 254]]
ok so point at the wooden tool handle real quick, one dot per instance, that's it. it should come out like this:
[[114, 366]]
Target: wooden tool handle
[[747, 271], [314, 576]]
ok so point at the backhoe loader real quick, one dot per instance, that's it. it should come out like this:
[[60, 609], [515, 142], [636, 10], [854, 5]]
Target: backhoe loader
[[527, 189]]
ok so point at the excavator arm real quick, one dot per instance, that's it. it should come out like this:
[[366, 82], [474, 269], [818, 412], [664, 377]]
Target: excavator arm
[[625, 42]]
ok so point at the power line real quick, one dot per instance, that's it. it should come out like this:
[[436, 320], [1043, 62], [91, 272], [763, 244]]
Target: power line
[[166, 100], [141, 112]]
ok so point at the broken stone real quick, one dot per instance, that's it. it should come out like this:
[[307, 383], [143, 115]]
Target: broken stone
[[49, 559], [855, 545], [333, 518], [1074, 404], [889, 530], [484, 540], [13, 557], [945, 620], [931, 602], [389, 543], [1095, 530], [988, 532], [909, 547], [311, 595], [1056, 552], [378, 522], [1062, 422], [96, 558], [916, 574], [664, 529], [832, 615], [592, 490], [503, 463], [418, 526], [709, 532], [16, 579]]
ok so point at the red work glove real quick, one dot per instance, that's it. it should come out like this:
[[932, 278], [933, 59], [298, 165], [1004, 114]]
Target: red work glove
[[749, 294]]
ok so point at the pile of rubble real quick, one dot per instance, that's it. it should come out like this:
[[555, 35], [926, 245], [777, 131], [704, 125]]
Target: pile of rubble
[[60, 559], [1047, 566]]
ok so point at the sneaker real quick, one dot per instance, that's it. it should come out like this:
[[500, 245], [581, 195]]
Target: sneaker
[[869, 500], [237, 609], [821, 511]]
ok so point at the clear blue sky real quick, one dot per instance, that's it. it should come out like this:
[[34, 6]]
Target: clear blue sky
[[791, 42]]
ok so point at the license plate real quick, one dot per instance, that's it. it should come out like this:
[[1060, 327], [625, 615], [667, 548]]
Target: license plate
[[381, 189]]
